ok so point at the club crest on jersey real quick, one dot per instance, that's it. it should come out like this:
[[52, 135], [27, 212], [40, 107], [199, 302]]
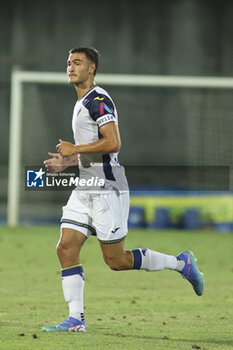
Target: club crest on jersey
[[99, 98]]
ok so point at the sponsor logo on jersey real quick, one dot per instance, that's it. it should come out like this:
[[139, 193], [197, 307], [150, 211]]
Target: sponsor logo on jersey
[[99, 98]]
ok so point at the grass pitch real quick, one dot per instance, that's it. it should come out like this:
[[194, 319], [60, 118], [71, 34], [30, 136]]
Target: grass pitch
[[123, 310]]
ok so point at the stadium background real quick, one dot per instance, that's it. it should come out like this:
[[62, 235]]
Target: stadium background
[[159, 126]]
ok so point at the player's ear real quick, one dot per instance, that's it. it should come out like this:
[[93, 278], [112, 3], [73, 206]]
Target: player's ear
[[92, 68]]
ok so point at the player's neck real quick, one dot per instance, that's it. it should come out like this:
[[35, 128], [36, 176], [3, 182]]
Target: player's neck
[[83, 90]]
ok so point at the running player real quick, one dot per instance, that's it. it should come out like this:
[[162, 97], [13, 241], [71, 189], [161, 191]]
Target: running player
[[101, 209]]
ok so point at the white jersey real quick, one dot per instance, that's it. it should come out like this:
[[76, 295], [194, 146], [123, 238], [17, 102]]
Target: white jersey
[[91, 112]]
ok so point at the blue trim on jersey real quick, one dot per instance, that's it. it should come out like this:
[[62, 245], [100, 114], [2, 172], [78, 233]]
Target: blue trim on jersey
[[77, 270], [137, 263], [93, 104], [107, 167]]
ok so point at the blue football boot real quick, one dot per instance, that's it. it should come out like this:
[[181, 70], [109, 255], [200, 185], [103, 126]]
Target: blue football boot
[[70, 325], [191, 272]]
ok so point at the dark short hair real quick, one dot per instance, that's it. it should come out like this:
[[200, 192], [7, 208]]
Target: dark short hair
[[91, 53]]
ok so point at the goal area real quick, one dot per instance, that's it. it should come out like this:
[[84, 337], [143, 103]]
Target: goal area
[[164, 121]]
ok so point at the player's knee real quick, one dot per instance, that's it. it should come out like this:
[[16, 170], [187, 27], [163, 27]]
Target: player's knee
[[62, 247], [59, 249]]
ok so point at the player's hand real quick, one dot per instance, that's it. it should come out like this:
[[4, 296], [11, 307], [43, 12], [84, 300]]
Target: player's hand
[[65, 148], [55, 163]]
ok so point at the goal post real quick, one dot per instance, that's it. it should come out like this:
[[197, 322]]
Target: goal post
[[19, 78]]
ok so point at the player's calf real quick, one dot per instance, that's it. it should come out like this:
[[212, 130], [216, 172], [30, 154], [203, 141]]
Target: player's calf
[[119, 262]]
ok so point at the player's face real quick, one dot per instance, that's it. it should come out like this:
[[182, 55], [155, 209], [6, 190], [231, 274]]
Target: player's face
[[79, 68]]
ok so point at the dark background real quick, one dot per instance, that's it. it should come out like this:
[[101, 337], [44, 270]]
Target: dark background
[[159, 126]]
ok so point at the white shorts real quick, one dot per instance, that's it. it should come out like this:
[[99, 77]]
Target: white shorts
[[101, 214]]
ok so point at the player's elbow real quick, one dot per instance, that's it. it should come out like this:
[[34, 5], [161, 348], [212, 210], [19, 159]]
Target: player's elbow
[[114, 146], [115, 149]]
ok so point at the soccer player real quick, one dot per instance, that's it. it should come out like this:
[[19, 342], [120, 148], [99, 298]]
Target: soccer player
[[102, 209]]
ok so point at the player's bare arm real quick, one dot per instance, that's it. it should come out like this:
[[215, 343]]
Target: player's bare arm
[[110, 143], [57, 163]]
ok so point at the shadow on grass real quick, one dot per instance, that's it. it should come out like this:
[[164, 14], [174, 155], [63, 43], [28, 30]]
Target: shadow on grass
[[166, 338]]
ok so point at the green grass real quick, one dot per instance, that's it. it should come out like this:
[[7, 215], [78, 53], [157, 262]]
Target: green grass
[[123, 310]]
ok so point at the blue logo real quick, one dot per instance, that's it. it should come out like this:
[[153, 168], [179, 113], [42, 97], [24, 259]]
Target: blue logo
[[144, 251], [35, 178]]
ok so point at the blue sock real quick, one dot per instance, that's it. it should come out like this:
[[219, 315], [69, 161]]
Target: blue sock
[[137, 258]]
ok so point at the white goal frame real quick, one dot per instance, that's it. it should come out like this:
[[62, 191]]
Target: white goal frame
[[19, 78]]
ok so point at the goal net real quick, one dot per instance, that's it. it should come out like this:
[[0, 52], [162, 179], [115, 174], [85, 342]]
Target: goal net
[[164, 122]]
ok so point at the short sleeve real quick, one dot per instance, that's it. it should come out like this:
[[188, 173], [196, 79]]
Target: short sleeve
[[102, 110]]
